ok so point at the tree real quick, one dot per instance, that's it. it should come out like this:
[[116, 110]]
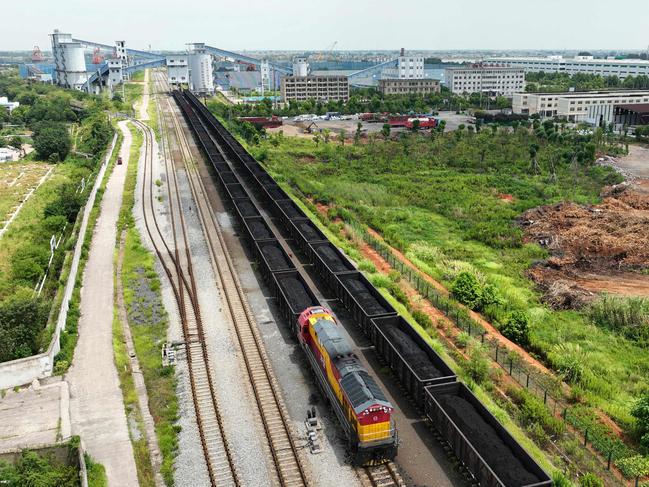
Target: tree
[[22, 317], [341, 137], [52, 138], [415, 125], [534, 149], [385, 131], [326, 135], [17, 143]]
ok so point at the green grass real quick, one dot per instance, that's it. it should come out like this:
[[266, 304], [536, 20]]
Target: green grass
[[96, 473], [438, 203], [138, 271]]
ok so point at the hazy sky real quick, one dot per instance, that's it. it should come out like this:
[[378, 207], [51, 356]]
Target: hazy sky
[[355, 24]]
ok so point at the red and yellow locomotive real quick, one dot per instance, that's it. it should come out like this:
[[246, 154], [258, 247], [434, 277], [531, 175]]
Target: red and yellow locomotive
[[361, 406]]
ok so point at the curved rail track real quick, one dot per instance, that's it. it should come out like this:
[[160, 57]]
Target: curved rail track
[[273, 415], [177, 267]]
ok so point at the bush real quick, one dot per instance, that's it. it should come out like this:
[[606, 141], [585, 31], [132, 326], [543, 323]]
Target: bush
[[640, 412], [32, 469], [467, 290], [423, 319], [590, 480], [478, 364], [517, 328], [560, 480]]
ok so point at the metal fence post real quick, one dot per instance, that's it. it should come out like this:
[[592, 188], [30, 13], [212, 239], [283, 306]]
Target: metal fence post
[[586, 437], [545, 396], [610, 457], [511, 365], [527, 382], [497, 347]]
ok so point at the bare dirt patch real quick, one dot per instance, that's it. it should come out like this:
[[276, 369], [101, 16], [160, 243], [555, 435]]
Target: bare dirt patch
[[594, 248]]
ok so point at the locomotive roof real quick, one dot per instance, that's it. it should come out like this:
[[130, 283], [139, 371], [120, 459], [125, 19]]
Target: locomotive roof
[[332, 340], [363, 391]]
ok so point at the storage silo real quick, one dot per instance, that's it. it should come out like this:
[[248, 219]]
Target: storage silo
[[201, 74], [300, 67], [69, 61]]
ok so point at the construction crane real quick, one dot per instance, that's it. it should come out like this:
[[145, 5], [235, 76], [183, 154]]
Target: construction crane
[[321, 55], [37, 55]]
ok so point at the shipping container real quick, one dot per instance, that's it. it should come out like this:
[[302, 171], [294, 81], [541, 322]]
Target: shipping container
[[362, 299], [483, 445], [413, 361]]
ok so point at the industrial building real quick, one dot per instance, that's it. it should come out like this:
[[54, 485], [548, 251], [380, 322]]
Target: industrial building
[[322, 88], [69, 61], [408, 86], [201, 72], [177, 70], [115, 72], [580, 64], [481, 78], [593, 107], [407, 67]]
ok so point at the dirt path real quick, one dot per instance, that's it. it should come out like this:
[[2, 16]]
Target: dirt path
[[96, 404], [144, 104], [636, 162]]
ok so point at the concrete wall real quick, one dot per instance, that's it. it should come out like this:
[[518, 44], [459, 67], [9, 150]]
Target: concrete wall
[[25, 370]]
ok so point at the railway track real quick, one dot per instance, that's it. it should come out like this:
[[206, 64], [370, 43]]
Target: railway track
[[385, 475], [273, 415], [176, 262]]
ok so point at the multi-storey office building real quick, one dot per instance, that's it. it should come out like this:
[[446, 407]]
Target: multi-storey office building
[[408, 86], [312, 87], [491, 80]]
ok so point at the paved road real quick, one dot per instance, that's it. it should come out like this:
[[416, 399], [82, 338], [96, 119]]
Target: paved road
[[96, 405]]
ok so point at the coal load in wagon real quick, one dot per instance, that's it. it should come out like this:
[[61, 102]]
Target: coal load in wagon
[[412, 353], [309, 231], [332, 259], [363, 296], [275, 192], [290, 209], [486, 441], [236, 191], [275, 256], [259, 230], [296, 293], [246, 208], [228, 177]]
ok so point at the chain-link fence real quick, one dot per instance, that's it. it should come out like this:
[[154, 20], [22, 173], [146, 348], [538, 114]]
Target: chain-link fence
[[543, 386]]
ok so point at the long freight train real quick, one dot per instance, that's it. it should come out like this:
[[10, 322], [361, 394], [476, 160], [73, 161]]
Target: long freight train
[[361, 407]]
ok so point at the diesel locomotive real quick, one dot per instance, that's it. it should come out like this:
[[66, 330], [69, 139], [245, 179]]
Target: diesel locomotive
[[360, 405]]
